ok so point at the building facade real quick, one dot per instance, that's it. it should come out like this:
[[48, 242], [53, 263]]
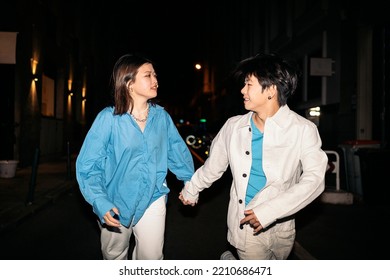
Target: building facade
[[63, 58]]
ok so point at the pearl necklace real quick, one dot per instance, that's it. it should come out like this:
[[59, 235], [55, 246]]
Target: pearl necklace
[[141, 120]]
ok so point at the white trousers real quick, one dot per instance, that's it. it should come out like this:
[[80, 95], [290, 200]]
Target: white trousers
[[267, 245], [148, 233]]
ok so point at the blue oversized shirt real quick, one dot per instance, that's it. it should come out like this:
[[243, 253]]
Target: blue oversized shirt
[[121, 166]]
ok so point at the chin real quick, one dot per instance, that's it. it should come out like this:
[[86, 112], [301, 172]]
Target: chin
[[247, 107]]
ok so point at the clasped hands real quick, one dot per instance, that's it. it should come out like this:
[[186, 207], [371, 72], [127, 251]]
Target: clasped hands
[[184, 201]]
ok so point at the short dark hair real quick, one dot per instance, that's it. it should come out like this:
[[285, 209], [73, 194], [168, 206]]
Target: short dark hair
[[270, 69]]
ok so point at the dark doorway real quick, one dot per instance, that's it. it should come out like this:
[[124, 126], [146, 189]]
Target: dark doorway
[[7, 104]]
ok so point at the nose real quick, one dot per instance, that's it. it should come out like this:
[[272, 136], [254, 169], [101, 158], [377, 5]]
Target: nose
[[243, 91]]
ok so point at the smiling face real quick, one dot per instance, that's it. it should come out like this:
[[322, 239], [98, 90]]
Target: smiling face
[[145, 83], [255, 97]]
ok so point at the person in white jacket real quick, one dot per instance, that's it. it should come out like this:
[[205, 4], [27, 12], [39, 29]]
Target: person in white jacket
[[276, 160]]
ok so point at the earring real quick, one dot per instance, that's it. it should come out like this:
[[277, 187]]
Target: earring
[[269, 97]]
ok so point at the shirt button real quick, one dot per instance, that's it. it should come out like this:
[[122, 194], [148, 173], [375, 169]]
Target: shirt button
[[241, 226], [247, 152], [250, 129], [240, 201], [244, 175]]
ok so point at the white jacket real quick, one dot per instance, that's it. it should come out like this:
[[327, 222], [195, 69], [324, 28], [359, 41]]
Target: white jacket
[[293, 162]]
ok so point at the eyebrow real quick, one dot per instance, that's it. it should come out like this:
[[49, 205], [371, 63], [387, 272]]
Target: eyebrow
[[148, 72]]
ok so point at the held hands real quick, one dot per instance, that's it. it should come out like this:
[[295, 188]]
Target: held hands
[[251, 219], [111, 217], [185, 202]]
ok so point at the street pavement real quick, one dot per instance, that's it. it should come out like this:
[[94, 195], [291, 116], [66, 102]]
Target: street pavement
[[325, 231], [31, 189]]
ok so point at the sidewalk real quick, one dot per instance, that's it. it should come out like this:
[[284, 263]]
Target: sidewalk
[[344, 232], [20, 198]]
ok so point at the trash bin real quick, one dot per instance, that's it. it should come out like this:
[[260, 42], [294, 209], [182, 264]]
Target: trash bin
[[352, 163], [8, 168]]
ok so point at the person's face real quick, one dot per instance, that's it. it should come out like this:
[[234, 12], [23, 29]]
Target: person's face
[[254, 95], [145, 84]]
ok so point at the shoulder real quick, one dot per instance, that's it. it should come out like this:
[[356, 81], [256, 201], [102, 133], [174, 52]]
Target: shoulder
[[236, 124], [159, 111], [301, 119], [239, 120], [107, 111], [287, 117], [105, 115], [158, 108]]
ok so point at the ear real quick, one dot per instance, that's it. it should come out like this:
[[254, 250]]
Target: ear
[[129, 86]]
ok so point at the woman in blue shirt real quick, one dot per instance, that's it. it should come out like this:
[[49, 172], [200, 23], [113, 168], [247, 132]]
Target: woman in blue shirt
[[123, 163]]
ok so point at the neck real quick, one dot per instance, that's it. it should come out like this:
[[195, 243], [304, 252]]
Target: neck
[[267, 112], [140, 109], [261, 116], [140, 115]]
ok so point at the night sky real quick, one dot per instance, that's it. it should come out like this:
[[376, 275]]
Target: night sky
[[173, 35]]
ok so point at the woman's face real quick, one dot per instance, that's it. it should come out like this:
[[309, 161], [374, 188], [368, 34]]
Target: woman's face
[[145, 83]]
